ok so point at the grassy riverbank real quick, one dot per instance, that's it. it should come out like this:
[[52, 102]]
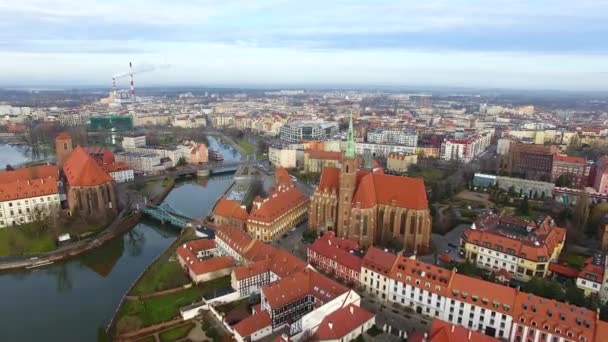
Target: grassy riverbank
[[136, 314], [166, 272], [26, 239]]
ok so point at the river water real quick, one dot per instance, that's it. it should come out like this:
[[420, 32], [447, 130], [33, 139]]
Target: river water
[[69, 301]]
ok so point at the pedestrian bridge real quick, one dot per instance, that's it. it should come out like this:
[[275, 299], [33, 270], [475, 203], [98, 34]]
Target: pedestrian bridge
[[165, 213]]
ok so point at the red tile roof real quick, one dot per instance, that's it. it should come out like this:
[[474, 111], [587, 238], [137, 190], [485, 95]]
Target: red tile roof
[[235, 238], [405, 192], [562, 270], [284, 264], [294, 287], [330, 179], [538, 313], [277, 204], [187, 253], [29, 173], [420, 274], [325, 247], [379, 261], [253, 323], [115, 167], [81, 170], [26, 189], [63, 136], [342, 322], [325, 155], [282, 178], [259, 251], [251, 269], [488, 231], [592, 272], [482, 293], [442, 331], [230, 209], [569, 159]]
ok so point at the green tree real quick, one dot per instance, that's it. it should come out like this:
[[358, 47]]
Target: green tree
[[524, 207], [563, 181], [581, 211], [182, 162]]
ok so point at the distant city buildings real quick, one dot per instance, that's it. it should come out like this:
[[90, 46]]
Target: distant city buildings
[[299, 131], [400, 162]]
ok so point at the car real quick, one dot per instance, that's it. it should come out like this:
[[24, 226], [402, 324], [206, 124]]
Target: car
[[452, 245], [293, 229]]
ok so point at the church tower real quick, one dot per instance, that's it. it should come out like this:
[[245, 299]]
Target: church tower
[[348, 180], [63, 148]]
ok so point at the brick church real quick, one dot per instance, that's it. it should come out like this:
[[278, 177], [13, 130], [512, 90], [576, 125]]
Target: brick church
[[371, 207]]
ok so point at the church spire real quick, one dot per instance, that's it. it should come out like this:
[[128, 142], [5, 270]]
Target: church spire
[[350, 143]]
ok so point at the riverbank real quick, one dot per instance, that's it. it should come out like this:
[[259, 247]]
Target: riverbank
[[39, 254]]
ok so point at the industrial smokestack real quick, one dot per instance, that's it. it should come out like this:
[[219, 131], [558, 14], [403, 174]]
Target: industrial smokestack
[[132, 85], [114, 87]]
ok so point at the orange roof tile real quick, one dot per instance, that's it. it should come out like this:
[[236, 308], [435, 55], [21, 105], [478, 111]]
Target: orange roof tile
[[30, 188], [277, 204], [296, 286], [253, 323], [230, 209], [553, 314], [251, 269], [81, 170], [569, 159], [482, 293], [405, 192], [342, 322], [490, 232], [333, 251], [259, 251], [115, 167], [282, 178], [562, 270], [29, 173], [325, 155], [379, 261], [330, 179], [63, 136], [442, 331], [235, 238], [436, 277], [211, 265], [284, 264]]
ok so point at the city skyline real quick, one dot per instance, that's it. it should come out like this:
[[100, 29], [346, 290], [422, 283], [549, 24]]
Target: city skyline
[[541, 45]]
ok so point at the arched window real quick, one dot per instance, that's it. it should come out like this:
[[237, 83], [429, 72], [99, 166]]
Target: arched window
[[365, 224], [402, 225], [392, 221]]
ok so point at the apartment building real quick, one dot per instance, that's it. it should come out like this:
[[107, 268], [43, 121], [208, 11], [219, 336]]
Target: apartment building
[[336, 256], [522, 248], [575, 169], [28, 194]]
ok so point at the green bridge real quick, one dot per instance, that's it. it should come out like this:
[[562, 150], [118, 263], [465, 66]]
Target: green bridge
[[165, 213]]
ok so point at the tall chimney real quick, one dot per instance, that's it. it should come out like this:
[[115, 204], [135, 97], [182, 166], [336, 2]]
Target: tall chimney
[[114, 86], [452, 327], [132, 84], [469, 338]]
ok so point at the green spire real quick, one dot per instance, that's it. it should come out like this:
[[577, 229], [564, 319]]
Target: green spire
[[350, 144]]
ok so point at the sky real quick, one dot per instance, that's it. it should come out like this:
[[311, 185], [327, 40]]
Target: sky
[[532, 44]]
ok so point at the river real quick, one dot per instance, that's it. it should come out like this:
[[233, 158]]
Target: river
[[69, 301]]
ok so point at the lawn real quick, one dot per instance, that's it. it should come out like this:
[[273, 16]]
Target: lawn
[[176, 333], [25, 239], [164, 308], [160, 309], [247, 146], [165, 273]]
